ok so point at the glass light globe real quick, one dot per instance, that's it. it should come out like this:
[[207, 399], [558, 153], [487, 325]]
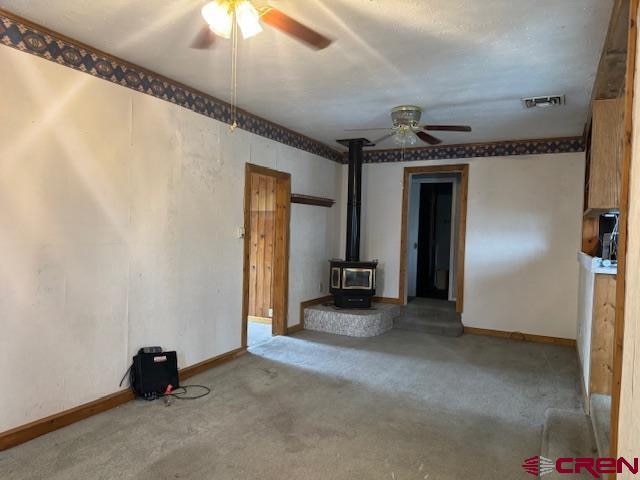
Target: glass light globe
[[248, 19], [405, 137], [218, 17]]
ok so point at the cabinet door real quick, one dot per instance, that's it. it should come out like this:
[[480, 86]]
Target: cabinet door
[[602, 334], [606, 155]]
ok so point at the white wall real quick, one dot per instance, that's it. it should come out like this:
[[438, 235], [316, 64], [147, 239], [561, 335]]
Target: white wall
[[118, 218], [523, 232]]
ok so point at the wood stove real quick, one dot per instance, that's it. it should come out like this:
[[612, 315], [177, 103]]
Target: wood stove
[[353, 282]]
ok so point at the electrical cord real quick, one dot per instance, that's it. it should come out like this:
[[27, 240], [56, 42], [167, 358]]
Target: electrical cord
[[614, 238], [180, 392], [125, 375]]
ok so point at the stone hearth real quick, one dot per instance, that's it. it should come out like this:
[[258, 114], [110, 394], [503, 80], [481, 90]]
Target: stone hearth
[[353, 322]]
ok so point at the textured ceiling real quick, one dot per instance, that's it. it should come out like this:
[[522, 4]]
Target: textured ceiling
[[463, 61]]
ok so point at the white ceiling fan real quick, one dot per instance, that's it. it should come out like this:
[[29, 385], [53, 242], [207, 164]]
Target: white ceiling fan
[[221, 16]]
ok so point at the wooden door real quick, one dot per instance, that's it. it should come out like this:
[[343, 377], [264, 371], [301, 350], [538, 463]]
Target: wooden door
[[267, 212], [262, 236]]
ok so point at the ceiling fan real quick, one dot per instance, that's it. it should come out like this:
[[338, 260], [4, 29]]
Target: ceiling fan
[[219, 16], [406, 129]]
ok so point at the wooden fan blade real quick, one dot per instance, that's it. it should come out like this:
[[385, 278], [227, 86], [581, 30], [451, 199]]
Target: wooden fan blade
[[204, 39], [284, 23], [365, 129], [448, 128], [382, 139], [431, 140]]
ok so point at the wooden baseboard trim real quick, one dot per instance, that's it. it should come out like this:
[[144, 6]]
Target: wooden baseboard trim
[[29, 431], [394, 301], [295, 328], [34, 429], [210, 363], [523, 337]]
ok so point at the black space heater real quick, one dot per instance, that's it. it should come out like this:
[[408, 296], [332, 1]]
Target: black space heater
[[152, 371]]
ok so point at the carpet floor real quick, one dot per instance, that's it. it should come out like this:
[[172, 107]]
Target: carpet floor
[[404, 406], [258, 333]]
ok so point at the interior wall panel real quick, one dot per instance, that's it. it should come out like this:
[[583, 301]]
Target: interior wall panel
[[119, 228]]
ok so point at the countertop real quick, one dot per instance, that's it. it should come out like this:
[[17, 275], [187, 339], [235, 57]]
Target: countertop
[[594, 265]]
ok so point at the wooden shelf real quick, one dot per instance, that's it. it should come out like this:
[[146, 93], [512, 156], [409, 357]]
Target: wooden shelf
[[311, 200]]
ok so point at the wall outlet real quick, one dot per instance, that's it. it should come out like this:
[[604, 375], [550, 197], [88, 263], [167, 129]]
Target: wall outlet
[[270, 313], [240, 232]]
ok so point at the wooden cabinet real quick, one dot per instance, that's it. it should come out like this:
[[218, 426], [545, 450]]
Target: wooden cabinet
[[602, 334], [604, 164]]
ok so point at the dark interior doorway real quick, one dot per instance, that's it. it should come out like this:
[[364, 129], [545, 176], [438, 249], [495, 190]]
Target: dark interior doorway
[[434, 240]]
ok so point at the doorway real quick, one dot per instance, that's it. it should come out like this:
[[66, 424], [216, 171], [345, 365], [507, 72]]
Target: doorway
[[434, 252], [266, 254], [432, 244]]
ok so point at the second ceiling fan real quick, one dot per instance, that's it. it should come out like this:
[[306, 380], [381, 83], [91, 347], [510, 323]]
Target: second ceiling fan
[[406, 129], [220, 16]]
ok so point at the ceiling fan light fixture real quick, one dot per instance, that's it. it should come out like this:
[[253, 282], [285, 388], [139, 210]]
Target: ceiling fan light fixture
[[405, 137], [248, 19], [218, 17]]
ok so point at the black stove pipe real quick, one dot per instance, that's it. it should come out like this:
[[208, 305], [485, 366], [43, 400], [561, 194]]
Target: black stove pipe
[[354, 200]]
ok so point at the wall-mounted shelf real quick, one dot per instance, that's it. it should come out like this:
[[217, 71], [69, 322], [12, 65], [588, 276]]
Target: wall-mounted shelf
[[311, 200]]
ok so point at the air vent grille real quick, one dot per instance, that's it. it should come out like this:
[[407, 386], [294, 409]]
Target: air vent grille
[[544, 102]]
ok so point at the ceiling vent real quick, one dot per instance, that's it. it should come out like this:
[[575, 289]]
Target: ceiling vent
[[544, 102]]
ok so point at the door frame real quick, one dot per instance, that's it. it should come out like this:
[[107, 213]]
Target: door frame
[[433, 249], [463, 170], [280, 283], [626, 300], [454, 216]]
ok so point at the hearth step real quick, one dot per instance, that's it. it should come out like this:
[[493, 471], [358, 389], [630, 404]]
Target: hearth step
[[437, 326], [351, 322], [437, 317]]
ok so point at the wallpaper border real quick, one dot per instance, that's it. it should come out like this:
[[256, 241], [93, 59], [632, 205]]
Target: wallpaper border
[[29, 37]]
